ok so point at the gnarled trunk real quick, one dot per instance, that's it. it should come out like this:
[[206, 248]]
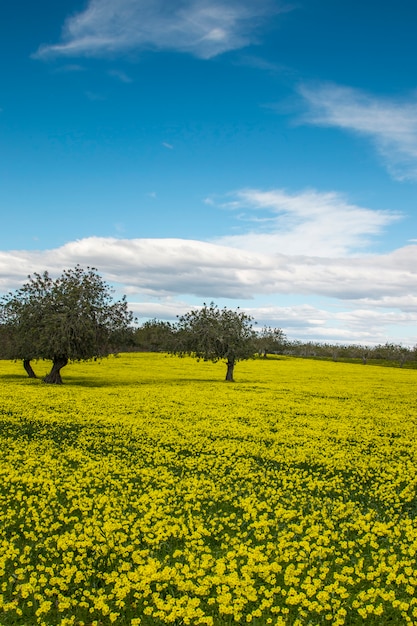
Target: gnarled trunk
[[54, 376], [28, 368], [230, 369]]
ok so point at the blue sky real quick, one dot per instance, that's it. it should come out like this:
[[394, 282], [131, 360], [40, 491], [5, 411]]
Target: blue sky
[[260, 153]]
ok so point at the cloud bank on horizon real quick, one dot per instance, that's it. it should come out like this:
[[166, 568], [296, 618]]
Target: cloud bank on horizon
[[203, 28], [167, 267], [380, 289]]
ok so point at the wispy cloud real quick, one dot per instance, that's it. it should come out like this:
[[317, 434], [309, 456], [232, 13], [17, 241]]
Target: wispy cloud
[[93, 96], [308, 223], [203, 28], [390, 124], [259, 63], [122, 76], [69, 67]]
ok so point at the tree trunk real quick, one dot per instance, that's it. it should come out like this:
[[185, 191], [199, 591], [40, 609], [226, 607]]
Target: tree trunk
[[230, 368], [54, 376], [28, 368]]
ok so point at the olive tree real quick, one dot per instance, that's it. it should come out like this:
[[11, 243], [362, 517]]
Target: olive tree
[[270, 340], [154, 336], [72, 317], [215, 334], [22, 315]]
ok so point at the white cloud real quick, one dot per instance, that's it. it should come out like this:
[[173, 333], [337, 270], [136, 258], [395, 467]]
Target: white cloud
[[203, 28], [307, 322], [309, 223], [368, 298], [163, 308], [405, 303], [167, 267], [390, 124], [350, 325]]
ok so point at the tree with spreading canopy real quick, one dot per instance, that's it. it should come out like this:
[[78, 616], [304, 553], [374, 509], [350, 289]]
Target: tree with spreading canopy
[[269, 340], [214, 334], [154, 336], [73, 317]]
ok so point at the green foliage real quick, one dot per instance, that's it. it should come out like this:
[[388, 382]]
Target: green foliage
[[154, 336], [215, 334], [269, 340], [72, 317], [386, 354], [22, 315]]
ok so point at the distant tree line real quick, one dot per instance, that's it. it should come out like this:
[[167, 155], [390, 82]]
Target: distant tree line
[[74, 317], [389, 353], [159, 336]]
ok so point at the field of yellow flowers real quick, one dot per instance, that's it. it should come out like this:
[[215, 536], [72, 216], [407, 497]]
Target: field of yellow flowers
[[148, 491]]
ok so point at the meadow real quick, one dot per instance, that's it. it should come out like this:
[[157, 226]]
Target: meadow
[[147, 491]]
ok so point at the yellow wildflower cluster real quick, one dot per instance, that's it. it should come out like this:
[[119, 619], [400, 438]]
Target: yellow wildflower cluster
[[146, 491]]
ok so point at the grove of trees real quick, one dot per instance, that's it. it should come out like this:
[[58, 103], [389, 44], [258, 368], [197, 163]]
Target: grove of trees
[[74, 317], [270, 341], [154, 336], [388, 353]]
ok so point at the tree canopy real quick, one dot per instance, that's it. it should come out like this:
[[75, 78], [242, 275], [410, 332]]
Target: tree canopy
[[155, 336], [215, 334], [73, 317], [269, 340]]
